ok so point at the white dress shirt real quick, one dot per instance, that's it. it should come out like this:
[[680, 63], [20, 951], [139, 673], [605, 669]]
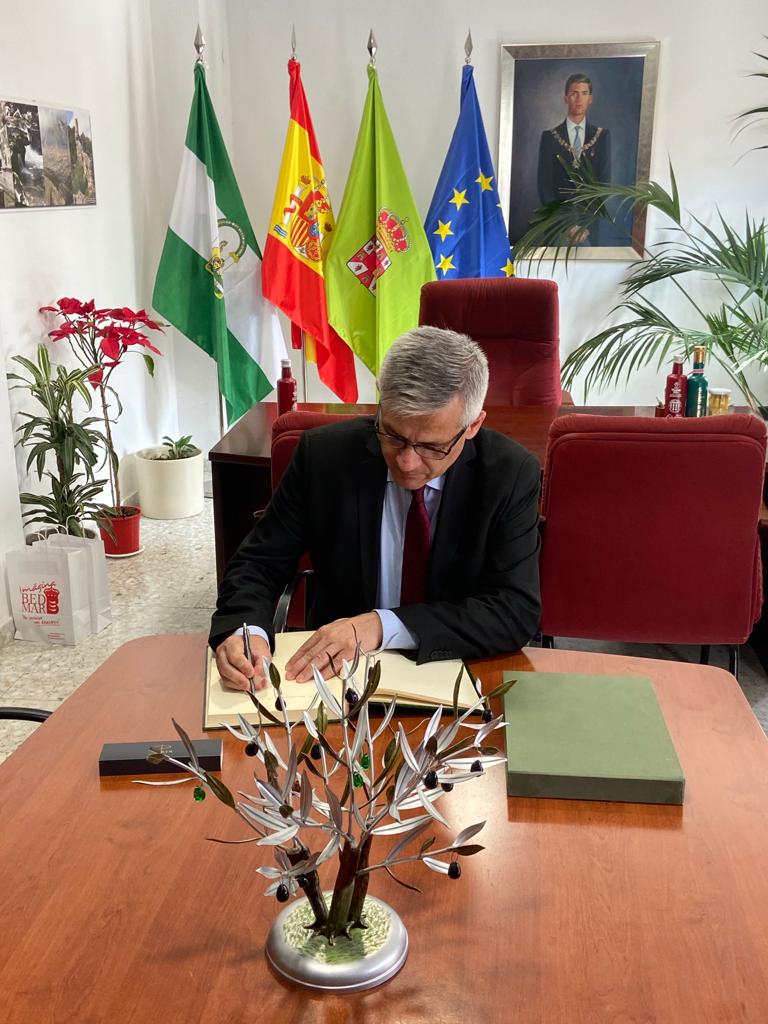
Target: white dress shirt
[[572, 126]]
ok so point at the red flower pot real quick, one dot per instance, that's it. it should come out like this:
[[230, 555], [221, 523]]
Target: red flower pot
[[127, 533]]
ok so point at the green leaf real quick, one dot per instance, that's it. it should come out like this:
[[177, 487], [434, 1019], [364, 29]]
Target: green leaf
[[149, 362], [219, 790]]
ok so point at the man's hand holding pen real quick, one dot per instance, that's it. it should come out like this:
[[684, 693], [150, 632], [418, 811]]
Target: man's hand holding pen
[[239, 660]]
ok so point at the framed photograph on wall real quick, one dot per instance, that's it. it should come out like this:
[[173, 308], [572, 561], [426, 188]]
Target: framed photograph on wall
[[574, 102], [46, 156]]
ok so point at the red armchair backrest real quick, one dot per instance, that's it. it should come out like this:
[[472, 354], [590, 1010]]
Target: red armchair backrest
[[286, 434], [651, 528], [516, 323]]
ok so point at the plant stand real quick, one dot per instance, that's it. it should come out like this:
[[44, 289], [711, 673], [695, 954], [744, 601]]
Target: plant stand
[[370, 957]]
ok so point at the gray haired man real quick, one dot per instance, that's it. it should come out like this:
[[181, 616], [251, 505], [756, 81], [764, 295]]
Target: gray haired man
[[421, 525]]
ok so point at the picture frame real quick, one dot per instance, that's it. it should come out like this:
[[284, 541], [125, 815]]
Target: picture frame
[[46, 156], [619, 95]]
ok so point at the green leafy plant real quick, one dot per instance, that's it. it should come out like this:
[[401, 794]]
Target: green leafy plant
[[180, 449], [733, 325], [57, 433]]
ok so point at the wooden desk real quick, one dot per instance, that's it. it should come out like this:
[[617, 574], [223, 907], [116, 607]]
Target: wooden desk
[[115, 909], [240, 462]]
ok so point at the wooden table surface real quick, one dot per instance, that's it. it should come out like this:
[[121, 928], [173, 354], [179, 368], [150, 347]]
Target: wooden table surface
[[116, 909]]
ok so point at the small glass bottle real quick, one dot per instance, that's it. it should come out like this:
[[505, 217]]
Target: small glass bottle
[[287, 389], [676, 390], [696, 400]]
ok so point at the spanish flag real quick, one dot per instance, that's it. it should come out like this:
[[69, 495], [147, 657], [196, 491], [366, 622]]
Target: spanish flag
[[300, 228]]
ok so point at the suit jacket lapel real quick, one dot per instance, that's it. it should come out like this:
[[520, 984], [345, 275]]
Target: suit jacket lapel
[[371, 484], [452, 515]]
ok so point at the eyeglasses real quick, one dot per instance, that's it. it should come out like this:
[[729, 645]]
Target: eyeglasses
[[423, 449]]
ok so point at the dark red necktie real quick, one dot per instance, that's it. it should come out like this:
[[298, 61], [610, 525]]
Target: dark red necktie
[[413, 585]]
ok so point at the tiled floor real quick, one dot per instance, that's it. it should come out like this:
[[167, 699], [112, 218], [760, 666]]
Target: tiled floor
[[170, 588]]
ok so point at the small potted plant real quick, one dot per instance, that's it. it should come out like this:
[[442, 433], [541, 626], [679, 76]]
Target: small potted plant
[[74, 445], [170, 479], [99, 339]]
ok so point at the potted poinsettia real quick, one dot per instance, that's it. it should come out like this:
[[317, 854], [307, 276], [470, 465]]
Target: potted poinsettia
[[101, 338]]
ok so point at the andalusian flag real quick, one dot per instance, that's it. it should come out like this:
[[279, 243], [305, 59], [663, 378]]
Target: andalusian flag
[[301, 226], [379, 256], [208, 283]]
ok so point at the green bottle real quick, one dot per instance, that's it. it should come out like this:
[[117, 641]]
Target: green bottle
[[696, 400]]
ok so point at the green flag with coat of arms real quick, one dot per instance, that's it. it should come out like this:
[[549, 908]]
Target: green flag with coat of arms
[[379, 257], [208, 284]]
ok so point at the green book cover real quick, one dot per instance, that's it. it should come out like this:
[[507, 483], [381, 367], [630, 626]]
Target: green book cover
[[583, 737]]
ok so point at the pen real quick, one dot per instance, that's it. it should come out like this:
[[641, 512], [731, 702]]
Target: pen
[[247, 644]]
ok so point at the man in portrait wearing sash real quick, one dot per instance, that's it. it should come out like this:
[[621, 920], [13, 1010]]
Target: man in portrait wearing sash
[[573, 142]]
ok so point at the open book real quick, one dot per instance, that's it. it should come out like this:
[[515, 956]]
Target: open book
[[411, 684]]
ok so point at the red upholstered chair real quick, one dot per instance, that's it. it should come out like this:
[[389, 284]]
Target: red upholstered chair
[[651, 530], [286, 434], [516, 323]]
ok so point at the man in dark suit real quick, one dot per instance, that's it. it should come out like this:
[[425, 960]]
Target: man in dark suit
[[574, 141], [421, 525]]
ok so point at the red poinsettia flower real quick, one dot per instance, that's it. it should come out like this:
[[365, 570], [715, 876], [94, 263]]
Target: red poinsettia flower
[[95, 378], [63, 332], [110, 345]]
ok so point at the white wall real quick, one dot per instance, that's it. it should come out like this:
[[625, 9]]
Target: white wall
[[129, 62]]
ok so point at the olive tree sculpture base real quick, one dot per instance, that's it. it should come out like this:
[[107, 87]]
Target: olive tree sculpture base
[[371, 955]]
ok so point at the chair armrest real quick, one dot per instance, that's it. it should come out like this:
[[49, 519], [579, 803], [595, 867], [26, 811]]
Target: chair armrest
[[283, 606], [24, 714], [567, 398]]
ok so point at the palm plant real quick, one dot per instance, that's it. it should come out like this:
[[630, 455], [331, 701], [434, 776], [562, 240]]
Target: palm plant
[[74, 445], [733, 328]]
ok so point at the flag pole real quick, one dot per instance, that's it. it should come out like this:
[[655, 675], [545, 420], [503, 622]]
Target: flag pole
[[303, 334], [199, 48]]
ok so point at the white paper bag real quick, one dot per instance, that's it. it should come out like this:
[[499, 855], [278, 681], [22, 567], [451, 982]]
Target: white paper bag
[[98, 584], [49, 594]]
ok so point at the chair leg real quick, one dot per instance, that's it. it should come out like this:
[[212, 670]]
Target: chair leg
[[733, 660], [547, 641], [704, 659]]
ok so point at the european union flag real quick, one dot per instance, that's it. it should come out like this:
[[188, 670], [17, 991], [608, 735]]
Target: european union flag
[[464, 226]]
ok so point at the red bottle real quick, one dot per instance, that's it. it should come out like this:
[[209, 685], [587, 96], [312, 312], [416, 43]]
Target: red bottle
[[676, 391], [287, 389]]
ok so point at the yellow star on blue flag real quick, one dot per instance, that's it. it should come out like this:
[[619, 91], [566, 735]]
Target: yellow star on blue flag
[[465, 226]]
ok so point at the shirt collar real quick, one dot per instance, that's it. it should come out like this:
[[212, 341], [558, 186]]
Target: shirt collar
[[572, 126], [436, 484]]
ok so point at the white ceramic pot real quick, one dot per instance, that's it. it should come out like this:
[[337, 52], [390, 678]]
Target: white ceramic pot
[[169, 488]]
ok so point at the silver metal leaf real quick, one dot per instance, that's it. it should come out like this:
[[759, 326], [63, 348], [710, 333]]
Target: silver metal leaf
[[270, 746], [408, 754], [427, 805], [467, 833], [401, 844], [290, 773], [434, 722], [487, 729], [335, 808], [237, 733], [330, 849], [309, 724], [271, 794], [277, 838], [272, 889], [325, 692], [396, 827], [361, 733], [268, 871], [385, 720], [306, 796], [282, 859], [439, 866]]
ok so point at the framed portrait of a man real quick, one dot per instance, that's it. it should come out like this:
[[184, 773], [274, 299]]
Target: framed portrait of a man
[[570, 105]]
